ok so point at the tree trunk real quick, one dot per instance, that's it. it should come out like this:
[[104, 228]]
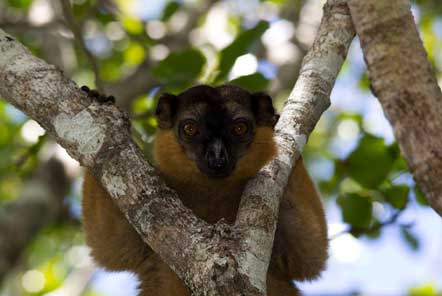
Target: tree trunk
[[402, 79]]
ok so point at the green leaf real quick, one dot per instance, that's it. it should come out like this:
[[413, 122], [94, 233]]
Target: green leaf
[[364, 82], [180, 68], [253, 82], [238, 47], [375, 234], [80, 10], [21, 4], [170, 9], [370, 163], [410, 238], [424, 290], [397, 196], [420, 197], [104, 17], [134, 54], [356, 210], [132, 25]]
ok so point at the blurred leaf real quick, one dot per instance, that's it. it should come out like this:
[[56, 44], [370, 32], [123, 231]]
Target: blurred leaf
[[53, 274], [364, 82], [92, 293], [21, 4], [104, 17], [356, 210], [400, 163], [348, 185], [352, 116], [132, 25], [429, 38], [180, 68], [110, 69], [134, 54], [80, 10], [374, 234], [420, 197], [370, 163], [253, 82], [238, 47], [397, 196], [141, 105], [410, 238], [424, 290], [170, 9]]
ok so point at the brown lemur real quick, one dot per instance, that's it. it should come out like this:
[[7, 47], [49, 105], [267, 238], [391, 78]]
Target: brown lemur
[[209, 142]]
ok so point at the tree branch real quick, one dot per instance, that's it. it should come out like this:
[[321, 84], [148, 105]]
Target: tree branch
[[402, 78], [215, 259]]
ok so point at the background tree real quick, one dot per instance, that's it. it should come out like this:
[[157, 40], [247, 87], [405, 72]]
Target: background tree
[[131, 51]]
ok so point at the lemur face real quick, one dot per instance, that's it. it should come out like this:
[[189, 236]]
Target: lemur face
[[215, 126]]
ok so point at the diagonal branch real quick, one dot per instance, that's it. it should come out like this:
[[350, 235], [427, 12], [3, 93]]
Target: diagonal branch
[[402, 78], [215, 259], [302, 110]]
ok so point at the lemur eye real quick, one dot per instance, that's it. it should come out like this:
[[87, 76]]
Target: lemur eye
[[190, 129], [240, 128]]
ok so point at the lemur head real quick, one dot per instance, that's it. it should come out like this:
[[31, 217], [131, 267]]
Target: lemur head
[[217, 133]]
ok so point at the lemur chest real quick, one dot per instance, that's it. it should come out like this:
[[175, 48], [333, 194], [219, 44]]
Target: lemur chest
[[213, 205]]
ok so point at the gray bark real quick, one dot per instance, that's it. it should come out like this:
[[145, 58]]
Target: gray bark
[[216, 259], [402, 79]]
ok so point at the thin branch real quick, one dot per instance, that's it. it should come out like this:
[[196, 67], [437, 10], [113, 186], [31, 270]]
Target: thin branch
[[77, 31], [24, 26], [30, 151]]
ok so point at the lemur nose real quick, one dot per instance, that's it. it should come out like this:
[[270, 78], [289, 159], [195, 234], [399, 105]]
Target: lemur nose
[[216, 155]]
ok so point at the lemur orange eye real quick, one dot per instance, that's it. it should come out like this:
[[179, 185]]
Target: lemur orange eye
[[190, 129], [240, 129]]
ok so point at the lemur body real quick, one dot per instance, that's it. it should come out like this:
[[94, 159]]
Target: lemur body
[[210, 141]]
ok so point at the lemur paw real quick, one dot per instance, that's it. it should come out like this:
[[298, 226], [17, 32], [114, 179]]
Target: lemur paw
[[95, 95]]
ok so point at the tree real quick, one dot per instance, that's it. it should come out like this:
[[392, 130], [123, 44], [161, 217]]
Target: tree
[[110, 127], [406, 87]]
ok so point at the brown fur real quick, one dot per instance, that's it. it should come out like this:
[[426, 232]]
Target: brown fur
[[300, 248]]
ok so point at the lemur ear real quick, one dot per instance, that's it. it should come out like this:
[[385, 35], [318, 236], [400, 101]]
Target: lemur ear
[[166, 110], [262, 107]]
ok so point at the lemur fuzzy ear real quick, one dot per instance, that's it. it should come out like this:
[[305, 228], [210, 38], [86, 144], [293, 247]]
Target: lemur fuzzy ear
[[262, 107], [166, 110]]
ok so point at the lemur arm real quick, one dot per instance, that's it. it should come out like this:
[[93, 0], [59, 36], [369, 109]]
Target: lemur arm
[[114, 242], [301, 243]]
